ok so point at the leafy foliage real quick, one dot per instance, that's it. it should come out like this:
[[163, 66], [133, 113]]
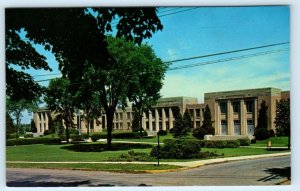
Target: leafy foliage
[[282, 119], [177, 149], [261, 131], [206, 128], [187, 120], [180, 129], [30, 141], [60, 100], [15, 109]]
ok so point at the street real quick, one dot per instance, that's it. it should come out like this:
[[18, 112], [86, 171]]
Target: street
[[264, 171]]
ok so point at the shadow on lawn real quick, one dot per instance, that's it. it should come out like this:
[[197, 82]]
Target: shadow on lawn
[[102, 147]]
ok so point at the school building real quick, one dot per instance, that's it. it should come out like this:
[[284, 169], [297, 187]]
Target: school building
[[234, 113]]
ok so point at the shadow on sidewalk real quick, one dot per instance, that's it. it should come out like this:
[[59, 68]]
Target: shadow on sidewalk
[[276, 173]]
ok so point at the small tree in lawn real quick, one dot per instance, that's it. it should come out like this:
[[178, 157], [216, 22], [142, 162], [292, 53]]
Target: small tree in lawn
[[187, 120], [206, 128], [282, 119], [179, 129], [207, 123], [261, 131]]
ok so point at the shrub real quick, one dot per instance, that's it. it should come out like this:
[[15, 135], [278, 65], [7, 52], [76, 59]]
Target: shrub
[[271, 133], [262, 134], [95, 137], [31, 141], [162, 132], [199, 132], [220, 144], [62, 137], [244, 142], [11, 136], [132, 156], [84, 136], [73, 131], [47, 132], [178, 149], [253, 141], [28, 135], [76, 137]]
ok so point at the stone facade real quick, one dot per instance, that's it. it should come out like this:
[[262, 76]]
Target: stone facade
[[234, 113]]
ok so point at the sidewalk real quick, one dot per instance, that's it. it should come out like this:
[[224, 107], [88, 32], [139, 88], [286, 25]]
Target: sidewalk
[[189, 164]]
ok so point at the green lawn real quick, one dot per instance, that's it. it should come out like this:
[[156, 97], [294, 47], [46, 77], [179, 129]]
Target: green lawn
[[276, 142], [132, 168]]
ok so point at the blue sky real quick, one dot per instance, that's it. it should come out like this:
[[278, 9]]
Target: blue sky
[[207, 30]]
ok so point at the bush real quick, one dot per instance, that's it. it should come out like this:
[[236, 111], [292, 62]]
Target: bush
[[262, 134], [31, 141], [253, 141], [132, 156], [63, 137], [11, 136], [84, 136], [73, 131], [47, 132], [162, 132], [76, 137], [199, 132], [28, 135], [95, 137], [178, 149], [244, 142], [220, 144], [271, 133]]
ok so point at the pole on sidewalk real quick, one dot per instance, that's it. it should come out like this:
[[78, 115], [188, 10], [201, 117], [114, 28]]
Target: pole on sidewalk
[[157, 149]]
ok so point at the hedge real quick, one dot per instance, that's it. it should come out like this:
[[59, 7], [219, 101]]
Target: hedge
[[162, 132], [178, 149], [12, 142], [244, 142], [118, 135], [76, 137], [220, 144]]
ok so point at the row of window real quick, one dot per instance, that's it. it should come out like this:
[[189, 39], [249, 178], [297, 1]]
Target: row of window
[[238, 122], [236, 106]]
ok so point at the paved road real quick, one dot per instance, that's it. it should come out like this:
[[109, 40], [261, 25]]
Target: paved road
[[265, 171]]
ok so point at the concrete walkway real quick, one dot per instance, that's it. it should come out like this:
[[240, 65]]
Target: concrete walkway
[[188, 164]]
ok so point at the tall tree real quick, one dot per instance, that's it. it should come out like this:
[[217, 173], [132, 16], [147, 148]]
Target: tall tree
[[60, 100], [180, 129], [146, 83], [87, 100], [121, 78], [15, 109], [261, 131], [9, 125], [282, 119], [77, 36], [187, 120], [207, 123]]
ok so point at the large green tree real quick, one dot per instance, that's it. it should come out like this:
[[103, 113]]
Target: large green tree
[[207, 122], [16, 108], [77, 36], [282, 119], [60, 100], [187, 120], [147, 81]]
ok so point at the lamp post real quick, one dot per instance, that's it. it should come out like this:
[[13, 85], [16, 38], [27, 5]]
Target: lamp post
[[157, 149], [79, 122]]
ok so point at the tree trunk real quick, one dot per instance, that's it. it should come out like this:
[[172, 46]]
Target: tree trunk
[[88, 128], [110, 116], [140, 122]]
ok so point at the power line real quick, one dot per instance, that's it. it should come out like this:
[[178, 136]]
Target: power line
[[203, 63], [228, 59], [46, 75], [228, 52], [167, 14]]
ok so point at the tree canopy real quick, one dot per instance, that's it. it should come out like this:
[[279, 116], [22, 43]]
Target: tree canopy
[[282, 119], [60, 100]]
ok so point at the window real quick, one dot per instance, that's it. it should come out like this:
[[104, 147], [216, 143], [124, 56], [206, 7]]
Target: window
[[167, 112], [167, 127], [121, 116], [237, 127], [153, 126], [121, 126], [191, 112], [159, 113], [117, 125], [236, 106], [147, 126], [250, 106], [198, 113], [128, 115], [223, 107], [160, 125], [224, 130], [128, 125], [153, 113], [197, 123], [250, 122]]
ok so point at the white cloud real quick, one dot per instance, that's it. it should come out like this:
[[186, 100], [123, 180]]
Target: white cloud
[[256, 72]]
